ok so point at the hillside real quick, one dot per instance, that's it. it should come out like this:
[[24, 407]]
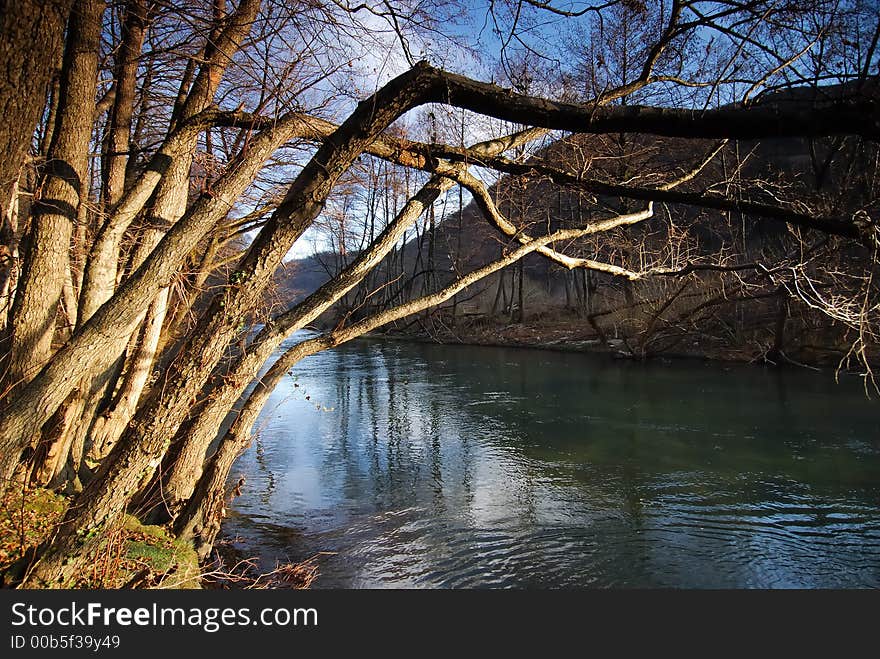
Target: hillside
[[738, 311]]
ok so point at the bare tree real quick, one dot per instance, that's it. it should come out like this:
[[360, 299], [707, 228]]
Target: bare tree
[[185, 189]]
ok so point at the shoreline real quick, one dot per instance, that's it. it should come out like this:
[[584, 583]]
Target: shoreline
[[829, 361]]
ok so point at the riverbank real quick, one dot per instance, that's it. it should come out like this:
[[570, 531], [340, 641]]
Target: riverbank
[[567, 335], [134, 555]]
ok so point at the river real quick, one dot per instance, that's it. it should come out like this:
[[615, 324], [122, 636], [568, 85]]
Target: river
[[425, 466]]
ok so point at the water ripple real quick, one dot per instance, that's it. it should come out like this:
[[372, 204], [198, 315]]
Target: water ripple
[[456, 467]]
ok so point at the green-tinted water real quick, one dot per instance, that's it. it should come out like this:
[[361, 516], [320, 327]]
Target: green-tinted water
[[451, 466]]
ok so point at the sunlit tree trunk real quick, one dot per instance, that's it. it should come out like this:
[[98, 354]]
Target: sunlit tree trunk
[[167, 206], [25, 73], [119, 121], [46, 247], [46, 260]]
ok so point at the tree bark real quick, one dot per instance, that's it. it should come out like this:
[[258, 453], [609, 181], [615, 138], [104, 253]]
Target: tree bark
[[25, 73], [119, 122], [111, 424], [168, 204], [8, 258], [96, 345], [46, 255]]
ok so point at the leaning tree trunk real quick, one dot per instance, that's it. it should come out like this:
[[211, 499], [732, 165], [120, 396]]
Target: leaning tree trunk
[[99, 271], [112, 422], [97, 344], [46, 262], [92, 346], [148, 437], [184, 463]]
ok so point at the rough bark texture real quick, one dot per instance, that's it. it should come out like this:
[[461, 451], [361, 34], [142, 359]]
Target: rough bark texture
[[46, 275], [96, 345], [168, 205], [45, 256], [110, 425], [8, 259], [170, 199], [99, 278], [58, 436], [119, 121], [25, 72]]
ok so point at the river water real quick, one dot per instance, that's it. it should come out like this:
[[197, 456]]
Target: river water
[[424, 466]]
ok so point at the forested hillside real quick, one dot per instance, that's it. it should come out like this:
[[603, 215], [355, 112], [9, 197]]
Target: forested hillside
[[717, 282]]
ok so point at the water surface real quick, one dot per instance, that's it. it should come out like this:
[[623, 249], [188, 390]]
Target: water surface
[[458, 466]]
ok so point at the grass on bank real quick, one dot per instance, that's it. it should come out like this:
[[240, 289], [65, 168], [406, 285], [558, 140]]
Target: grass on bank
[[132, 556], [135, 555]]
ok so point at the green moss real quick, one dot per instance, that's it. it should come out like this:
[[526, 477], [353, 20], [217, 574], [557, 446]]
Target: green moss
[[159, 558], [189, 573], [133, 548], [157, 533], [26, 519], [46, 502], [153, 547]]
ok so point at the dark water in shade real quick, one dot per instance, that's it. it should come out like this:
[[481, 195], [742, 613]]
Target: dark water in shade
[[453, 466]]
